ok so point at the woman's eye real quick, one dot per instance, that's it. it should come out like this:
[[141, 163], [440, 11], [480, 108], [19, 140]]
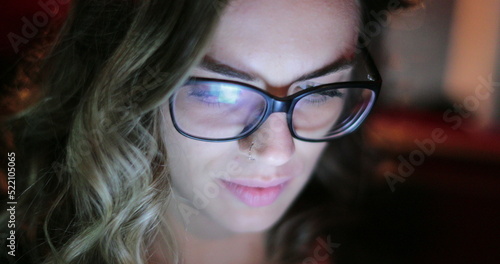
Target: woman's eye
[[332, 93], [214, 94], [324, 97], [203, 94], [304, 86]]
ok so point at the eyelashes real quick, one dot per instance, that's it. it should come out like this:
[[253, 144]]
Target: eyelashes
[[228, 96], [214, 95]]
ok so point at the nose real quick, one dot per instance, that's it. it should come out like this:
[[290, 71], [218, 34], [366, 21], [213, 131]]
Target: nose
[[272, 143]]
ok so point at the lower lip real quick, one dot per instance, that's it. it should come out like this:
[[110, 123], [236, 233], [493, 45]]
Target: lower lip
[[255, 196]]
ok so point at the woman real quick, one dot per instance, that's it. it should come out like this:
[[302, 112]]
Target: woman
[[162, 135]]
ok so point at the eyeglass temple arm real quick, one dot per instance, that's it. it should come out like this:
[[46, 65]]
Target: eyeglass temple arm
[[373, 73]]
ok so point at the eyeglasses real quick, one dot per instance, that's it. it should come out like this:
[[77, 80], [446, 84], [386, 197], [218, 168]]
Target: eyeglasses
[[215, 110]]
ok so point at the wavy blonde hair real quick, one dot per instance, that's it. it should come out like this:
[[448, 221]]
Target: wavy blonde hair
[[96, 181]]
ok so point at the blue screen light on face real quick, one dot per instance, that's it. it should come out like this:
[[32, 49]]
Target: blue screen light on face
[[227, 93]]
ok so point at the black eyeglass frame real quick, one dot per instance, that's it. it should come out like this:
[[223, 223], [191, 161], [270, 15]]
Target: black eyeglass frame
[[287, 104]]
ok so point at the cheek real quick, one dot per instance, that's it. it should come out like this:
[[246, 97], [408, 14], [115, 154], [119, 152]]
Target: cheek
[[307, 157], [310, 152], [183, 157], [193, 164]]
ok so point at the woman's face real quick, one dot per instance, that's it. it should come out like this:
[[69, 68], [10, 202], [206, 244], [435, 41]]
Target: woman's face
[[267, 44]]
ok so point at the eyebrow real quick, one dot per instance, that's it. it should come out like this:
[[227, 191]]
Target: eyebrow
[[213, 65], [338, 65]]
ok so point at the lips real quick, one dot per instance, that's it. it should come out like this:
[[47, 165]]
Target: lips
[[256, 193]]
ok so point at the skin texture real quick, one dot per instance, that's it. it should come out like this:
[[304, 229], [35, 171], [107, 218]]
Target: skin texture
[[275, 43]]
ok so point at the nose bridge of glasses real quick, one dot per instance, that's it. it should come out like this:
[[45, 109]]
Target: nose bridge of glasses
[[280, 106], [276, 105]]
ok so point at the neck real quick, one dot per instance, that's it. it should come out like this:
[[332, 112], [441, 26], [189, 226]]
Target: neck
[[202, 240]]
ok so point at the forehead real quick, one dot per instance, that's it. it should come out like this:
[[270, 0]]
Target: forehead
[[287, 36]]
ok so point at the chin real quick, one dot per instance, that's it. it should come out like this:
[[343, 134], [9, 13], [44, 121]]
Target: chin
[[260, 225], [252, 220]]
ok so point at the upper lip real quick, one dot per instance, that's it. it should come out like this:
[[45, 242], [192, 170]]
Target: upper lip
[[258, 183]]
